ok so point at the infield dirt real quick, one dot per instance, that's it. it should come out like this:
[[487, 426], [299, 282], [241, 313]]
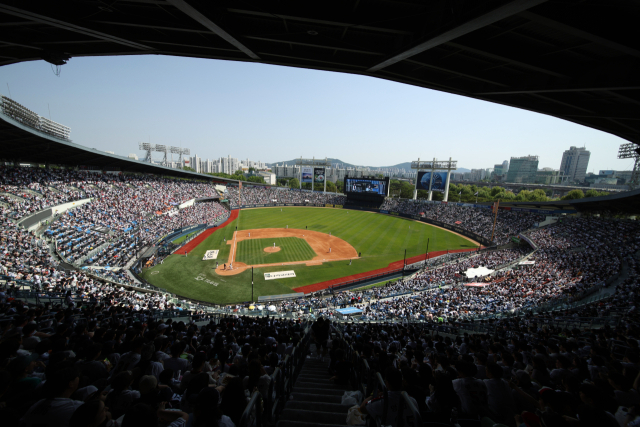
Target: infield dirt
[[326, 247]]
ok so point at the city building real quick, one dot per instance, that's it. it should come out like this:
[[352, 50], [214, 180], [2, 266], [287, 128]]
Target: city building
[[574, 163], [523, 169], [549, 176], [269, 178], [228, 165]]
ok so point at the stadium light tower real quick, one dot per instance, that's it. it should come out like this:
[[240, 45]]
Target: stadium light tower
[[631, 151], [162, 149], [145, 146]]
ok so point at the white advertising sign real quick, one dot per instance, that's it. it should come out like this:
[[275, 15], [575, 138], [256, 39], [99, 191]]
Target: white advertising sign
[[279, 275], [213, 254]]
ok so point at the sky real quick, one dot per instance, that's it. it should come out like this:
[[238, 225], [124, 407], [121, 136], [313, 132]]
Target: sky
[[272, 113]]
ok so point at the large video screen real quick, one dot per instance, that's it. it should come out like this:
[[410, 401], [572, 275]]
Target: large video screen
[[438, 183], [379, 187]]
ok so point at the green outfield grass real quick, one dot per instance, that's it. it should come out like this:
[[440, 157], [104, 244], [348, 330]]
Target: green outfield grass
[[251, 251], [381, 239]]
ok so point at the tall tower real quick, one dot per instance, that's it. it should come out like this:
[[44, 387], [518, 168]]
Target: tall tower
[[574, 163]]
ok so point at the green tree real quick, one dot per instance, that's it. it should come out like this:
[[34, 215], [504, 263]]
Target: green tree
[[538, 196], [294, 183], [496, 191], [508, 196], [239, 172], [187, 168], [252, 170], [379, 175], [574, 194], [406, 191], [395, 188], [331, 187], [256, 178], [340, 186], [282, 182], [423, 194], [595, 193]]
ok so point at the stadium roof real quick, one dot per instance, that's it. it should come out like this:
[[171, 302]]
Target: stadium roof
[[578, 60], [20, 143]]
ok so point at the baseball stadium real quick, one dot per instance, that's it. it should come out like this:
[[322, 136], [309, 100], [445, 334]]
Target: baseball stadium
[[150, 293]]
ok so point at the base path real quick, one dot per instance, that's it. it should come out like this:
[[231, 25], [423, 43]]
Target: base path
[[208, 232], [394, 266], [326, 247]]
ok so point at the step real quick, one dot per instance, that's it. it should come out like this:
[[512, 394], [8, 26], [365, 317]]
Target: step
[[313, 397], [317, 368], [318, 406], [318, 391], [309, 416], [328, 385], [287, 423], [311, 379]]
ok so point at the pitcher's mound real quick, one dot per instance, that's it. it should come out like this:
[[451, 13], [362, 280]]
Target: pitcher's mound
[[272, 249]]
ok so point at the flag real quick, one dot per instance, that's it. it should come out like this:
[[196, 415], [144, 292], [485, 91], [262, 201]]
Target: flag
[[460, 192], [476, 193]]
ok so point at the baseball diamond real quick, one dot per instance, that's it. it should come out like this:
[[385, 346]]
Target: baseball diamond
[[370, 241]]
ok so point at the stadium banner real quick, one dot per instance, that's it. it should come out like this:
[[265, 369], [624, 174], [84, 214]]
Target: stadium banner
[[337, 206], [211, 254], [438, 182], [328, 206], [527, 263], [307, 175], [279, 275], [384, 212], [318, 175]]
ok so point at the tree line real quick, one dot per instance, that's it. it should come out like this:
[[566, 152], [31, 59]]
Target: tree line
[[467, 193]]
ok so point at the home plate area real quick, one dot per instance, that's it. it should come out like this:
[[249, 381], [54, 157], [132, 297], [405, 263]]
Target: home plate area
[[283, 246]]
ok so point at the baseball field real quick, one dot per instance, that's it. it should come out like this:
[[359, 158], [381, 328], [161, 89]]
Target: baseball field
[[318, 244]]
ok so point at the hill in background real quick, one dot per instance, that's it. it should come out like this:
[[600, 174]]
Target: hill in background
[[341, 164]]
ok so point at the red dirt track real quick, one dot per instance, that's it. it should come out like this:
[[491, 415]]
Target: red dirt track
[[393, 266], [195, 242]]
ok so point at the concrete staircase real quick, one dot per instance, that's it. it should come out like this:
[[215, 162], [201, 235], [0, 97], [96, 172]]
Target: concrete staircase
[[315, 401]]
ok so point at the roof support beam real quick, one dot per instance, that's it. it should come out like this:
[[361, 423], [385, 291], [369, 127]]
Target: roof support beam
[[190, 11], [24, 14], [512, 8], [533, 17], [561, 90]]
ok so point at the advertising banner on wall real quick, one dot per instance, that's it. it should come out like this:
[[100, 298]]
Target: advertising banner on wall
[[307, 174], [439, 181], [318, 175]]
